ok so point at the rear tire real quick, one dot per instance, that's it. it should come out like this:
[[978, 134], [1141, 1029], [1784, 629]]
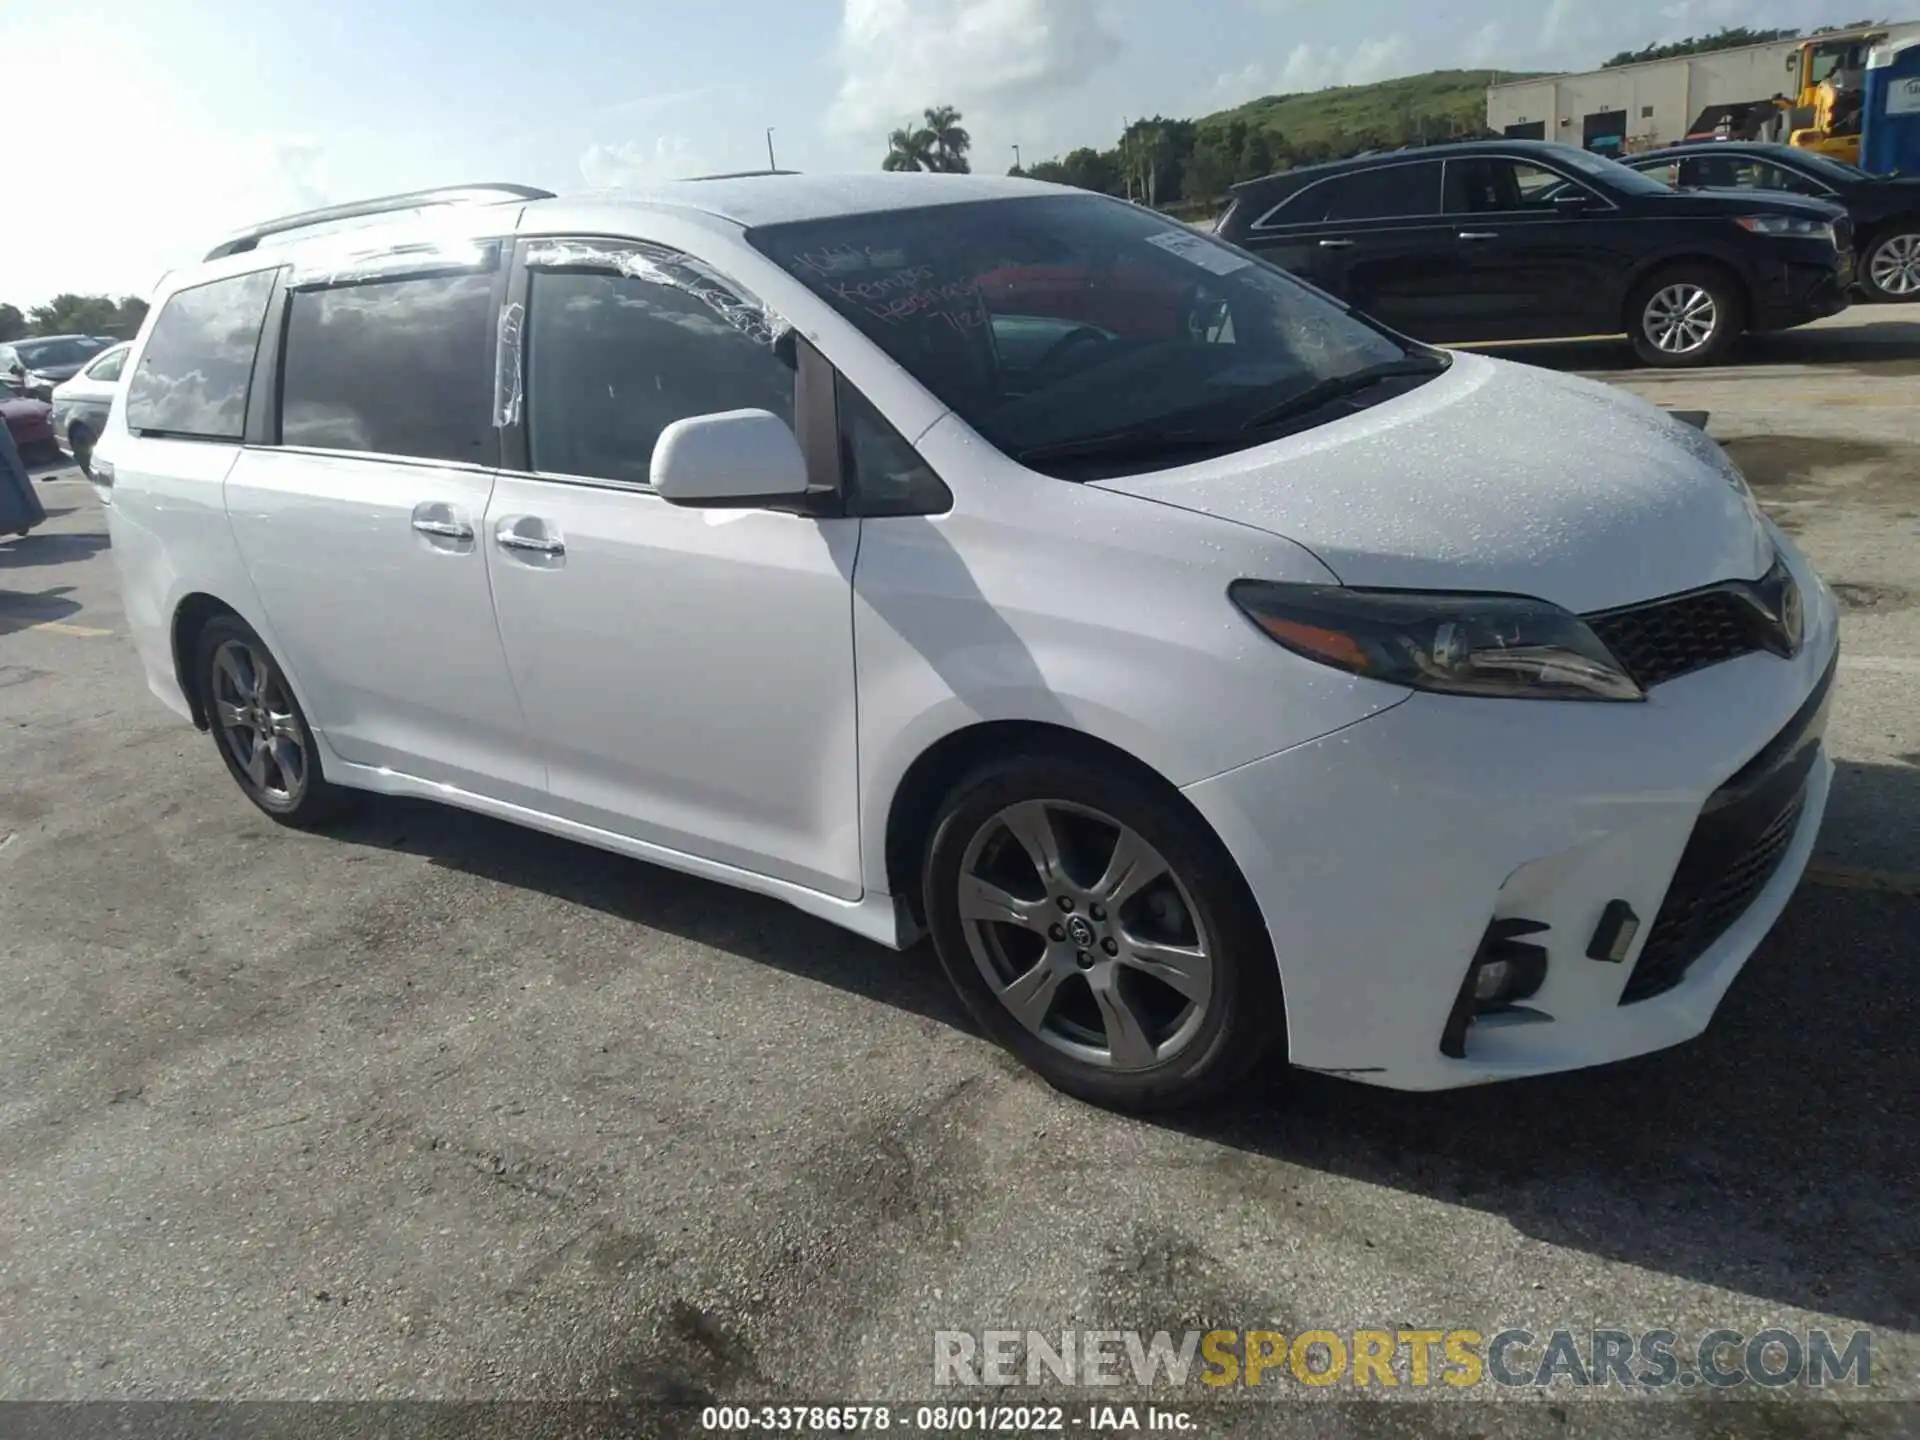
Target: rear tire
[[1096, 928], [1890, 270], [1686, 315], [259, 728]]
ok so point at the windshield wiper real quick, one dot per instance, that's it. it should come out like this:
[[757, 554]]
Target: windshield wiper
[[1137, 443], [1323, 392]]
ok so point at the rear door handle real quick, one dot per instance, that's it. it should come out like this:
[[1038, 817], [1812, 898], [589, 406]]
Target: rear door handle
[[445, 529], [1336, 244], [438, 520], [1479, 235]]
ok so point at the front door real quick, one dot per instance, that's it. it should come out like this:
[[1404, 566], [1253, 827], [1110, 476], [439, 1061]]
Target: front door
[[1527, 268], [687, 673], [361, 529]]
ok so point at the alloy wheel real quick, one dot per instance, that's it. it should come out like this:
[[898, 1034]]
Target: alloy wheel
[[1895, 266], [258, 725], [1086, 934], [1680, 318]]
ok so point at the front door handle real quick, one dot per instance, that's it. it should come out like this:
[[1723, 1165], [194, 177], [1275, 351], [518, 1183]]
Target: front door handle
[[445, 529], [1479, 235], [1336, 244], [529, 534]]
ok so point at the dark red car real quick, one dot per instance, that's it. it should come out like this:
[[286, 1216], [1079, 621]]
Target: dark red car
[[31, 422]]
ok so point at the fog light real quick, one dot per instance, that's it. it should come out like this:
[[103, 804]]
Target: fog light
[[1505, 969], [1491, 979]]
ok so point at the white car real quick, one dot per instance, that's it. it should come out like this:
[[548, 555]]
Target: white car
[[81, 405], [1214, 674]]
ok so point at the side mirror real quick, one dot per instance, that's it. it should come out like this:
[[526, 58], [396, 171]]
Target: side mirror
[[737, 458], [1571, 204]]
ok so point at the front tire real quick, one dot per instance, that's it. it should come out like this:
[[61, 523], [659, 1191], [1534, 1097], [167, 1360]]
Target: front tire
[[1890, 270], [1686, 315], [1096, 928], [261, 732]]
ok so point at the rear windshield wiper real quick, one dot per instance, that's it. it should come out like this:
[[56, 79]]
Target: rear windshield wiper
[[1138, 443], [1323, 392]]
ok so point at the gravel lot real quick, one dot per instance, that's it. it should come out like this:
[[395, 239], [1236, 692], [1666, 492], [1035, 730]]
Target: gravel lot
[[435, 1107]]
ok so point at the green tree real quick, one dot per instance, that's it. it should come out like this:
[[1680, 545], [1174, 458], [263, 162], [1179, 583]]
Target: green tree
[[950, 140], [70, 314], [909, 148], [12, 323]]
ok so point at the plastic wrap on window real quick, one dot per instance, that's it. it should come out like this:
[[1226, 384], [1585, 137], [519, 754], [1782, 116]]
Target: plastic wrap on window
[[506, 367], [656, 266]]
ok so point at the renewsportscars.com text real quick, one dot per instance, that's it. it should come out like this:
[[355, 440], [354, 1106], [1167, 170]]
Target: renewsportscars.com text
[[1457, 1359]]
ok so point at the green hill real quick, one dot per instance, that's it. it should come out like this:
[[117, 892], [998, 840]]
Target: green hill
[[1440, 103], [1185, 166]]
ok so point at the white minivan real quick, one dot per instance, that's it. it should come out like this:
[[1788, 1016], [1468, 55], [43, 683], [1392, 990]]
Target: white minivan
[[1215, 674]]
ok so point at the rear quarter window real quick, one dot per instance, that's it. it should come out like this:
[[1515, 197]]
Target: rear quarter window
[[193, 376]]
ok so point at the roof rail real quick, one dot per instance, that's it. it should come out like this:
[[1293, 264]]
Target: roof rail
[[250, 238]]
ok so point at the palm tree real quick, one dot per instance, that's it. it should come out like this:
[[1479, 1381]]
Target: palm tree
[[950, 141], [910, 148]]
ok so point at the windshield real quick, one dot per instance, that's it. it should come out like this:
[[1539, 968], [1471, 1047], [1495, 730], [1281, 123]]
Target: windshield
[[1828, 168], [1612, 172], [1054, 321], [38, 355]]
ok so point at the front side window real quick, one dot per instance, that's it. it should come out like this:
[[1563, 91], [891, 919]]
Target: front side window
[[1495, 185], [1062, 320], [107, 368], [192, 379], [392, 367], [613, 359]]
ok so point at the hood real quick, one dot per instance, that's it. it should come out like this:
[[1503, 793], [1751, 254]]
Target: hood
[[1494, 477], [58, 372], [17, 411]]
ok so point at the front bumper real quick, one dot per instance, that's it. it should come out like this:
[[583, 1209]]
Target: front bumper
[[1800, 289], [1380, 854]]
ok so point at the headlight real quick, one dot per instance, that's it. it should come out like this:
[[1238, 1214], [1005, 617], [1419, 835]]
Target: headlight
[[39, 381], [1490, 645], [1787, 225]]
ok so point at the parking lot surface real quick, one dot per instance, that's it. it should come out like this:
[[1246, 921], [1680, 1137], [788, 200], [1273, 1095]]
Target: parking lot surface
[[431, 1106]]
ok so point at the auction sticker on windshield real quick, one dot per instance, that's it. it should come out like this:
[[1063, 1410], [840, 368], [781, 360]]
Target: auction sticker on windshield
[[1198, 250]]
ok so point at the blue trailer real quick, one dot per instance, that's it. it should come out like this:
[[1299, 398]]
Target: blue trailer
[[1890, 109]]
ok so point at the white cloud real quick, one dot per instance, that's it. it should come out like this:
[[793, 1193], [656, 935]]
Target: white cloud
[[1311, 67], [1010, 56], [632, 162]]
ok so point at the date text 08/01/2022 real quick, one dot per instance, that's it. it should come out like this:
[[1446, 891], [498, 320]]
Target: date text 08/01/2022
[[946, 1419]]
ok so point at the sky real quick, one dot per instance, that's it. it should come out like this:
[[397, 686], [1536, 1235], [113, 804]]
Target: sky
[[145, 130]]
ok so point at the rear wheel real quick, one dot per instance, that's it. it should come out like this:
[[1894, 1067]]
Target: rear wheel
[[1891, 270], [258, 725], [1686, 315], [1096, 928]]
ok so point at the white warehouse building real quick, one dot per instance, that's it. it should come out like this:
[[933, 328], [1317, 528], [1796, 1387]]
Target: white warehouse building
[[1655, 102]]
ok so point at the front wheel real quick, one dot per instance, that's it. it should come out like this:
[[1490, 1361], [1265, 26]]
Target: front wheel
[[1096, 928], [1892, 267], [262, 734], [1689, 315]]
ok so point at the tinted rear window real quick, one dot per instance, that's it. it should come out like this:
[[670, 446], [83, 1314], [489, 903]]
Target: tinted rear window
[[192, 378], [395, 367]]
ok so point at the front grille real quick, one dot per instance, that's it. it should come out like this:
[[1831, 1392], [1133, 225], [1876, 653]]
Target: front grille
[[1736, 847], [1692, 919], [1675, 637]]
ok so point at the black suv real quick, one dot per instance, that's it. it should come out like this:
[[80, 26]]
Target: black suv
[[1524, 240], [1885, 209]]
